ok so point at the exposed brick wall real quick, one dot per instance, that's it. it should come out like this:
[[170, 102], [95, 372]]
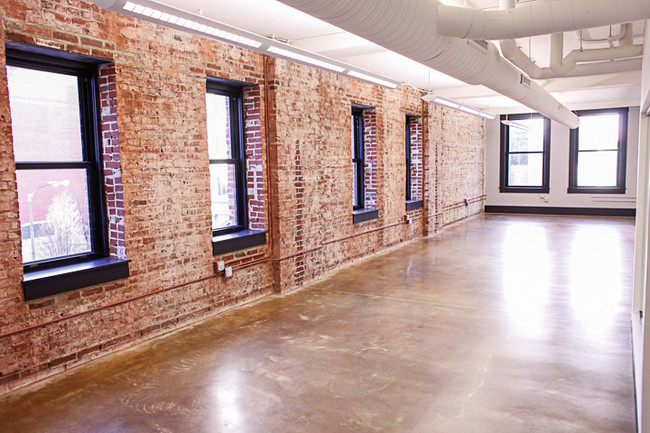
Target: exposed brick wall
[[370, 158], [111, 157], [417, 183], [254, 158], [154, 94], [458, 142]]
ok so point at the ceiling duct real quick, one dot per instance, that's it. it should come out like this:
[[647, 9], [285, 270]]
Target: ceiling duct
[[541, 18], [408, 27]]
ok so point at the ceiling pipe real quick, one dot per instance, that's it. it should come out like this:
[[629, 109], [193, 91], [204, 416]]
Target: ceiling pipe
[[538, 19], [568, 67], [571, 60], [603, 61], [408, 27]]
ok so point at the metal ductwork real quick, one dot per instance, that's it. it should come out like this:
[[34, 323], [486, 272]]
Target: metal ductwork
[[408, 27], [600, 61], [538, 19]]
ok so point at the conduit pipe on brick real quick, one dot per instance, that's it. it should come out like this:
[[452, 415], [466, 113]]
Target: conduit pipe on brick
[[408, 27], [537, 19]]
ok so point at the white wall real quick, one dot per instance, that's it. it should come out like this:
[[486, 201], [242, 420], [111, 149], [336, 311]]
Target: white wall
[[559, 179]]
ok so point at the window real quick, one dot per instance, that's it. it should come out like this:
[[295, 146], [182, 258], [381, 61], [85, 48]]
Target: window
[[364, 164], [226, 151], [358, 195], [413, 141], [229, 189], [56, 162], [597, 152], [525, 153], [53, 103]]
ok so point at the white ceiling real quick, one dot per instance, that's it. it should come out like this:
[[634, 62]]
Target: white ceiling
[[273, 19]]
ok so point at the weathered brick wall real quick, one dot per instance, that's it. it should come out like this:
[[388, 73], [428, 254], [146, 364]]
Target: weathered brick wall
[[458, 142], [158, 188], [254, 158], [370, 158], [111, 160], [415, 128]]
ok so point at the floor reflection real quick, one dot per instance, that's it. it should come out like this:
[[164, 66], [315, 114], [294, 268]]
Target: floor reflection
[[226, 399], [526, 276], [595, 269]]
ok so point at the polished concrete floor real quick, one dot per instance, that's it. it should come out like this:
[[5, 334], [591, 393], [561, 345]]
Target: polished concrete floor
[[500, 324]]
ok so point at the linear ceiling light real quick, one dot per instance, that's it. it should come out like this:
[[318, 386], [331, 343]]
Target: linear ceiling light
[[515, 124], [178, 19], [375, 80], [441, 100]]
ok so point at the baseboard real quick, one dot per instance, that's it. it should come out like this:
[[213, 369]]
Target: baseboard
[[550, 210]]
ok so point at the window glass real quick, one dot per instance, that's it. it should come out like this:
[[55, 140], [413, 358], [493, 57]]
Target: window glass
[[525, 169], [597, 168], [218, 121], [598, 132], [223, 188], [527, 135], [54, 213], [45, 115]]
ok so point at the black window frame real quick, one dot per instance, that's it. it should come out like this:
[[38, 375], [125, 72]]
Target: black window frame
[[358, 157], [86, 71], [574, 154], [234, 91], [505, 155]]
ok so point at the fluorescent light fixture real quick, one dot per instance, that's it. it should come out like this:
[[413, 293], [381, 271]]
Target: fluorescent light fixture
[[515, 124], [450, 103], [375, 80], [305, 59], [468, 110], [159, 13]]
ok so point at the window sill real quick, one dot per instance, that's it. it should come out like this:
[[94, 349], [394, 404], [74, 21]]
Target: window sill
[[595, 190], [237, 241], [38, 284], [524, 189], [365, 214], [414, 204]]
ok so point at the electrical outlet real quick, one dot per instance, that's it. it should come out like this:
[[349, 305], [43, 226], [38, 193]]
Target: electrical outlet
[[221, 265], [229, 272]]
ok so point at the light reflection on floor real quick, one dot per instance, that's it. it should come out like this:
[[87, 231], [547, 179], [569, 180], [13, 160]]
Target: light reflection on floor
[[526, 276], [595, 277]]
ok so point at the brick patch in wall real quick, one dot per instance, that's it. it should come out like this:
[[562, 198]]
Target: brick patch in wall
[[111, 159], [254, 158], [370, 155]]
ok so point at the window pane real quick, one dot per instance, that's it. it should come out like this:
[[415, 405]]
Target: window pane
[[525, 169], [597, 168], [57, 224], [354, 150], [529, 137], [218, 118], [45, 118], [223, 189], [598, 132], [354, 185]]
